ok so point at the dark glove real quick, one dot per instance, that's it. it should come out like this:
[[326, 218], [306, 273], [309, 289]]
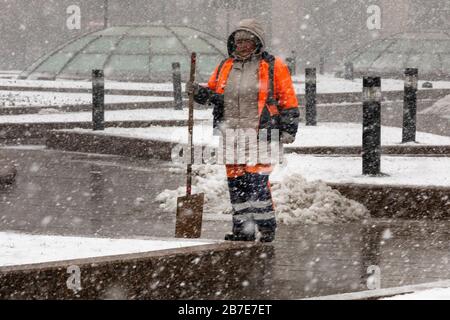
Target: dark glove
[[201, 94], [289, 121], [192, 87]]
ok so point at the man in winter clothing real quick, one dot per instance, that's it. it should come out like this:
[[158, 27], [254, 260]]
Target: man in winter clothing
[[251, 90]]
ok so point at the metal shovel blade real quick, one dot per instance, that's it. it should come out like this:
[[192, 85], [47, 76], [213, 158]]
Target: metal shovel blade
[[189, 216]]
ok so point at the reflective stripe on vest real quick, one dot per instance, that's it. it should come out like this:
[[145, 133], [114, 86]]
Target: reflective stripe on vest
[[221, 74]]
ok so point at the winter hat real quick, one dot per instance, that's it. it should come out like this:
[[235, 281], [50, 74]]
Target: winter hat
[[249, 25]]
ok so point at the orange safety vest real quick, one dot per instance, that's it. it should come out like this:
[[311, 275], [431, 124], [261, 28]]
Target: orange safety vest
[[283, 89]]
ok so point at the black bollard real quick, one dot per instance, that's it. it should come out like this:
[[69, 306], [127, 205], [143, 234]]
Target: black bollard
[[348, 72], [310, 91], [410, 105], [371, 126], [98, 100], [176, 76]]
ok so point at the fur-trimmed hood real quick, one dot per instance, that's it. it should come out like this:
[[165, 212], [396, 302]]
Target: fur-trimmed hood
[[250, 25]]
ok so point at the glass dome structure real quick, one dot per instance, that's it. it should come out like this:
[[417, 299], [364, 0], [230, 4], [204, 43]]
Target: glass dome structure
[[131, 53], [428, 51]]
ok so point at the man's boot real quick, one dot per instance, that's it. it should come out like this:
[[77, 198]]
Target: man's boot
[[242, 232], [239, 237]]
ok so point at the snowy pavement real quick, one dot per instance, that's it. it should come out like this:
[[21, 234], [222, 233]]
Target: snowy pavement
[[410, 171], [20, 248], [69, 84], [9, 74], [11, 99], [324, 134], [326, 83]]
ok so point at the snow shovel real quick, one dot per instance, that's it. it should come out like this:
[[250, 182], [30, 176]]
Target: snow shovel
[[190, 207]]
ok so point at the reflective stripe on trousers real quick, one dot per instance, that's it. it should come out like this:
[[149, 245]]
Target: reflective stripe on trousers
[[251, 196]]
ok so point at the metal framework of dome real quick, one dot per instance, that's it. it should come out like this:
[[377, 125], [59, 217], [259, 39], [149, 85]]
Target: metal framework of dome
[[131, 53], [427, 51]]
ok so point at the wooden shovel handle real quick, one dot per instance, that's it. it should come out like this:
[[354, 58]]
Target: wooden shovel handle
[[191, 126]]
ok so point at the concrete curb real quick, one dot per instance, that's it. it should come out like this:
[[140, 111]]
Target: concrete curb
[[384, 293], [88, 107], [104, 144], [23, 132], [207, 271], [402, 201], [385, 150]]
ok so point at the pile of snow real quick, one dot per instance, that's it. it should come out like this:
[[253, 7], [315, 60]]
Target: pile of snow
[[19, 249], [300, 201], [296, 200], [440, 108], [432, 294]]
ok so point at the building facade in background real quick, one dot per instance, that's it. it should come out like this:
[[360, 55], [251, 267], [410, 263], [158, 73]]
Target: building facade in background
[[309, 28]]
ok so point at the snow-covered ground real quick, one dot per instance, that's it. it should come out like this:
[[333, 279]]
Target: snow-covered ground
[[12, 99], [53, 115], [324, 134], [326, 83], [350, 134], [20, 249], [69, 84], [9, 74], [432, 294], [414, 171]]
